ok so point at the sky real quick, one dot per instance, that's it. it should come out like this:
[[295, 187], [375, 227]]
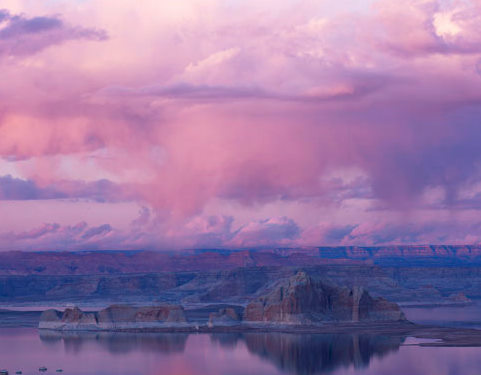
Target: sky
[[234, 124]]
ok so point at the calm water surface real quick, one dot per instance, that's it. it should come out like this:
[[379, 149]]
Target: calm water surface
[[450, 316], [204, 354]]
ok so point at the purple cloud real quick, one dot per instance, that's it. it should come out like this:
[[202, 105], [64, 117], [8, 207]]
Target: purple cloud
[[96, 231], [53, 236], [21, 36], [268, 232], [256, 117], [102, 190]]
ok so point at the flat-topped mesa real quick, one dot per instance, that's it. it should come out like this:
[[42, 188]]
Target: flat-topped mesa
[[114, 317], [303, 300]]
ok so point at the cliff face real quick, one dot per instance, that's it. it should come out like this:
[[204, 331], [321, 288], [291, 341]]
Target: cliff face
[[113, 317], [301, 299], [426, 274], [122, 262], [239, 286]]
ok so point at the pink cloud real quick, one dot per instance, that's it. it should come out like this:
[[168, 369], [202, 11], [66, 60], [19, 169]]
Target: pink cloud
[[218, 106], [428, 27], [280, 231]]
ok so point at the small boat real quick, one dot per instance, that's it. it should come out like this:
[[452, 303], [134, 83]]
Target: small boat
[[42, 369], [3, 372], [18, 372], [59, 370]]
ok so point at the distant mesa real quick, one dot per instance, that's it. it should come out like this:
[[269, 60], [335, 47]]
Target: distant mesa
[[122, 262], [409, 275]]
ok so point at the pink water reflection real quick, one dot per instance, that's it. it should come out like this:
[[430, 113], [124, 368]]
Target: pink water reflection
[[262, 354]]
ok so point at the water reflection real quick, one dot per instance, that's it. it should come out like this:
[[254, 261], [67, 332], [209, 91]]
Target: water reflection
[[290, 353], [116, 342], [315, 354], [233, 354]]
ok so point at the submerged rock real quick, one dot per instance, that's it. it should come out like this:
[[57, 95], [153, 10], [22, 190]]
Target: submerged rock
[[304, 300]]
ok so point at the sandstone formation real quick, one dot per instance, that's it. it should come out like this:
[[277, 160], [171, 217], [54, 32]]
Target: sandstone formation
[[113, 317], [408, 285], [296, 300], [224, 317], [304, 300], [408, 274]]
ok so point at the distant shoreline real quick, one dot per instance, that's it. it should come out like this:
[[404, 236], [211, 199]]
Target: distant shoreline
[[424, 305]]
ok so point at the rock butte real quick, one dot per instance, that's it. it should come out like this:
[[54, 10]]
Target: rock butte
[[298, 300], [304, 300]]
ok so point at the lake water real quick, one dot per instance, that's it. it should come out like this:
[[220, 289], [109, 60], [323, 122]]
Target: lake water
[[449, 316], [218, 354]]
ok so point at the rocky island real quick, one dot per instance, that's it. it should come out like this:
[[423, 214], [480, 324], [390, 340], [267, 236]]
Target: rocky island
[[296, 301], [116, 317]]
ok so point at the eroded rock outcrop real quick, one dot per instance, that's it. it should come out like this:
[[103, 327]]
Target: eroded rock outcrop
[[114, 317], [304, 300], [224, 317]]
